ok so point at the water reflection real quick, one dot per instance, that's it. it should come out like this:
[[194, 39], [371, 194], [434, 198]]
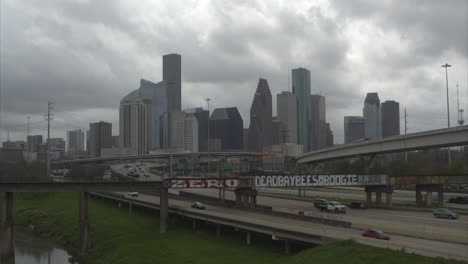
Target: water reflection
[[33, 250]]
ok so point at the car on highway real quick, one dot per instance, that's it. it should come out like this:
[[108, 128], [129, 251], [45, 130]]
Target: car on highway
[[459, 200], [132, 194], [374, 233], [336, 207], [321, 204], [146, 175], [355, 205], [198, 205], [444, 213]]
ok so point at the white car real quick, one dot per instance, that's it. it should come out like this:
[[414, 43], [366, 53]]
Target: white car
[[336, 207], [132, 194]]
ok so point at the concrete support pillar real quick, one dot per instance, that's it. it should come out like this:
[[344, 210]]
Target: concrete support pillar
[[7, 249], [163, 210], [369, 198], [440, 195], [378, 199], [389, 199], [418, 197], [254, 201], [248, 238], [245, 200], [130, 208], [194, 224], [428, 199], [218, 230], [84, 222], [287, 247]]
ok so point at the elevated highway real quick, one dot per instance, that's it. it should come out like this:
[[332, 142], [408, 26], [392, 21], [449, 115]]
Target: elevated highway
[[289, 229], [156, 156], [455, 136]]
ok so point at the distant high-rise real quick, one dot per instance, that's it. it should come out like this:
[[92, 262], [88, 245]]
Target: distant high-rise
[[57, 145], [226, 125], [75, 140], [157, 92], [179, 131], [353, 128], [372, 118], [277, 128], [136, 124], [286, 104], [260, 129], [202, 118], [100, 136], [390, 118], [301, 88], [87, 140], [34, 142], [172, 76], [319, 131]]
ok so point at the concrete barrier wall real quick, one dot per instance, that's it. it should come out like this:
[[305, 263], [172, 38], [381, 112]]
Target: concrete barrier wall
[[267, 210]]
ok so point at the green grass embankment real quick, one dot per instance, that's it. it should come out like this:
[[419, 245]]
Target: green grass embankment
[[118, 237]]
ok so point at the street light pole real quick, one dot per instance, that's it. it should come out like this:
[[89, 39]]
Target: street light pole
[[446, 65], [208, 139]]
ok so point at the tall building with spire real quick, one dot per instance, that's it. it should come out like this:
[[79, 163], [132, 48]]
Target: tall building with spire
[[372, 116], [260, 129], [286, 108]]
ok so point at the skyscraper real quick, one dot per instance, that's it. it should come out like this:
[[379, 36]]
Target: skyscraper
[[172, 76], [157, 92], [260, 129], [75, 140], [179, 131], [34, 142], [136, 124], [226, 125], [301, 88], [100, 136], [286, 104], [390, 118], [202, 118], [372, 119], [353, 128], [319, 131]]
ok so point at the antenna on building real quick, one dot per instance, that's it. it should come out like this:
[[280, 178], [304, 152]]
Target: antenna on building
[[289, 83], [8, 135], [460, 111]]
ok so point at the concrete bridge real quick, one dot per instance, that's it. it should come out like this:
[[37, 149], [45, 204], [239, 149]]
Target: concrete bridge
[[455, 136]]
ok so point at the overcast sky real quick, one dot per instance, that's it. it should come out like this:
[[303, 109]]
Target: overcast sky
[[86, 55]]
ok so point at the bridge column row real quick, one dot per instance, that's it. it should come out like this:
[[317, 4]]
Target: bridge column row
[[378, 195], [426, 200], [246, 197], [7, 250]]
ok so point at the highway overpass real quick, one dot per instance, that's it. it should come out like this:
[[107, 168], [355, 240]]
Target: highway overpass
[[455, 136], [159, 155]]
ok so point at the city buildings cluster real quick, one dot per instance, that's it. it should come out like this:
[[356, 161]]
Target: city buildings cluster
[[151, 120], [378, 120]]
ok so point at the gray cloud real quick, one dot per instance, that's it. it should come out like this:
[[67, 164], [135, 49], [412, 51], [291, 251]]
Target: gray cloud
[[86, 55]]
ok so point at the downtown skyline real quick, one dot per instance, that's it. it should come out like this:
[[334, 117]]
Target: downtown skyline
[[343, 67]]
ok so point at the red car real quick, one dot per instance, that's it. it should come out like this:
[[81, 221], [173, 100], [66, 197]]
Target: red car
[[374, 233]]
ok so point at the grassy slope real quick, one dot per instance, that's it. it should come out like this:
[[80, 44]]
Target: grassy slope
[[122, 238]]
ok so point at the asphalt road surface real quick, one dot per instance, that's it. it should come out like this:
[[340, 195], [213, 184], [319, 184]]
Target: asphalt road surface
[[416, 245], [408, 223]]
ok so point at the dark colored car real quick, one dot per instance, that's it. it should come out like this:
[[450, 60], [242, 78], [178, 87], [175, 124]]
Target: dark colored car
[[459, 200], [374, 233], [358, 206], [321, 204], [198, 205], [444, 213]]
